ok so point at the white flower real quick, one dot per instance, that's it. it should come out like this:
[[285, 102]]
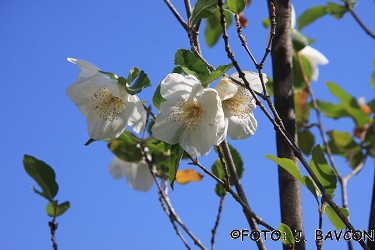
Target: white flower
[[105, 103], [238, 104], [191, 115], [313, 55], [137, 174]]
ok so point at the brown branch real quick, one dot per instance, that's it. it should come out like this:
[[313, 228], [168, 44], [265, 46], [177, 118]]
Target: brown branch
[[177, 15], [217, 222], [224, 164], [350, 9]]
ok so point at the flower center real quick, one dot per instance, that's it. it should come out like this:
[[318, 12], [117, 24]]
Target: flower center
[[187, 113], [240, 104], [107, 106]]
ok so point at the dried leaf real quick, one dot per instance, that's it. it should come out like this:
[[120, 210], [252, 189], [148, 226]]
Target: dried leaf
[[187, 175]]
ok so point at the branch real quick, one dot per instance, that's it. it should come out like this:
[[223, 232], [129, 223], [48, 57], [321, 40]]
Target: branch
[[176, 14], [350, 9], [217, 222]]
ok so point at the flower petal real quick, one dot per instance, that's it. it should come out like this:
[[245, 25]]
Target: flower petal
[[226, 88], [253, 79], [117, 168], [239, 129], [136, 114], [174, 86], [88, 69], [315, 58]]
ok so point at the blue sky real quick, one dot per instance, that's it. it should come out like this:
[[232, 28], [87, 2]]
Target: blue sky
[[39, 119]]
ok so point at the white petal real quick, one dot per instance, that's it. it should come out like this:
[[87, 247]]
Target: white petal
[[175, 86], [136, 114], [315, 58], [292, 17], [239, 129], [140, 178], [88, 69], [253, 79], [226, 88], [116, 168]]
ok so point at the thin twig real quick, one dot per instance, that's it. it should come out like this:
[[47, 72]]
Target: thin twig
[[224, 164], [177, 15], [187, 8], [217, 222], [350, 9]]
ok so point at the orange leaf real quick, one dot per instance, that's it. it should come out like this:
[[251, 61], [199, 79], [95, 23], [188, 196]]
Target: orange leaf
[[302, 99], [243, 21], [187, 175]]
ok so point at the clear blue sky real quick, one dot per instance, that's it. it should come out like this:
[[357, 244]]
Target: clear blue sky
[[39, 119]]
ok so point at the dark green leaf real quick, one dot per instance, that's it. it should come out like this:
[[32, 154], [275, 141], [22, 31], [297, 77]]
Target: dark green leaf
[[220, 190], [322, 170], [213, 29], [178, 70], [286, 234], [336, 10], [157, 98], [335, 219], [125, 148], [89, 142], [203, 9], [269, 85], [310, 15], [236, 6], [134, 73], [300, 41], [60, 209], [332, 110], [43, 174], [306, 141], [220, 71], [142, 82], [349, 103], [191, 64], [174, 162], [371, 105], [266, 22], [299, 82]]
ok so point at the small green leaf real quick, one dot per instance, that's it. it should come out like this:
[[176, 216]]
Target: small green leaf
[[157, 99], [332, 110], [236, 6], [299, 82], [323, 171], [203, 9], [191, 64], [349, 103], [300, 41], [286, 234], [142, 82], [61, 208], [311, 15], [43, 174], [335, 219], [174, 162], [266, 22], [89, 142], [133, 73], [125, 148], [306, 141], [213, 29], [269, 85], [220, 71], [336, 10]]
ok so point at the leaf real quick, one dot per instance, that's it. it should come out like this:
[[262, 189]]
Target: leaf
[[157, 99], [213, 29], [336, 10], [332, 110], [302, 110], [188, 175], [306, 141], [322, 170], [349, 103], [203, 9], [236, 6], [299, 82], [311, 15], [372, 81], [125, 148], [89, 142], [44, 176], [266, 22], [335, 219], [220, 71], [174, 162], [269, 85], [133, 73], [191, 64], [300, 41], [286, 234], [61, 208], [142, 82]]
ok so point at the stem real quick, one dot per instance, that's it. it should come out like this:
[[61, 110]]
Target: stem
[[217, 222], [350, 9]]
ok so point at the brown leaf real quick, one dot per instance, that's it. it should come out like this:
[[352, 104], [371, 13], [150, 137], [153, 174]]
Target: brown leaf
[[243, 21], [302, 99], [187, 175]]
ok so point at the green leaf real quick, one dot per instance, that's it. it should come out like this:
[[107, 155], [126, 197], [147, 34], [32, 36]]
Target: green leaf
[[236, 6], [142, 82], [269, 85], [299, 82], [332, 110], [306, 141], [157, 99], [191, 64], [61, 208], [335, 219], [300, 41], [349, 103], [336, 10], [311, 15], [266, 22], [302, 109], [213, 29], [203, 9], [174, 162], [220, 71], [286, 234], [372, 81], [133, 73], [323, 171], [43, 174], [371, 105], [89, 142], [125, 148]]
